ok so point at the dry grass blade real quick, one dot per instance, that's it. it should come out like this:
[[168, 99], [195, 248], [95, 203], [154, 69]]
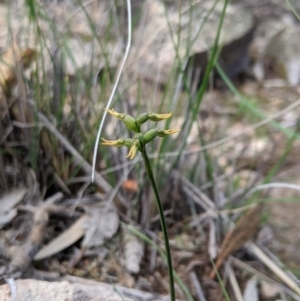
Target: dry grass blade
[[80, 161], [253, 248], [102, 184], [249, 269], [197, 286], [244, 230], [234, 284]]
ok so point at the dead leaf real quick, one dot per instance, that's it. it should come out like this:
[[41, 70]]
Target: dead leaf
[[103, 223], [7, 204], [64, 240], [11, 199], [244, 230]]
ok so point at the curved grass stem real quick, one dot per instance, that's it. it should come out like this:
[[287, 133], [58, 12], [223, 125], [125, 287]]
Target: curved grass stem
[[162, 219]]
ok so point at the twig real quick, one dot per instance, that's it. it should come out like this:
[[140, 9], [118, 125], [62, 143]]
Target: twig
[[212, 248]]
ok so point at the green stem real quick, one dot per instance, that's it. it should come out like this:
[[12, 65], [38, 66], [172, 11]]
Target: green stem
[[148, 240], [162, 219]]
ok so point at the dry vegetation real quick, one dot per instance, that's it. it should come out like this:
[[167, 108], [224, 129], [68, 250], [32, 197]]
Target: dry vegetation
[[229, 180]]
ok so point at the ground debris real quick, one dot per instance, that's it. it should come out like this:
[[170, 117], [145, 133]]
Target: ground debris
[[21, 256], [244, 230], [7, 204], [66, 239], [268, 290], [133, 252]]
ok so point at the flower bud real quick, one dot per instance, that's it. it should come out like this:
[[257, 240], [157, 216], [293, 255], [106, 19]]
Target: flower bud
[[142, 118], [159, 117], [118, 143], [150, 135], [128, 120]]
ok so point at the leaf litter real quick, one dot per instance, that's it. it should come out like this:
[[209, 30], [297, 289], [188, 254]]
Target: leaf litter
[[49, 230], [7, 204]]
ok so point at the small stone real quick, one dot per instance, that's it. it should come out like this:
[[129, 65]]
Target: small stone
[[268, 290]]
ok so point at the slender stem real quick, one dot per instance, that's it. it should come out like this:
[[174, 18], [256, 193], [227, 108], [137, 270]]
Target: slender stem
[[162, 219], [163, 255]]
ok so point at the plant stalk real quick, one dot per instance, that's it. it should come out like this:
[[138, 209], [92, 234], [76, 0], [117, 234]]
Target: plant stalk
[[162, 219]]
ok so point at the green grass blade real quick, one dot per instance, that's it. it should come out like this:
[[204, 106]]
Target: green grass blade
[[221, 282]]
